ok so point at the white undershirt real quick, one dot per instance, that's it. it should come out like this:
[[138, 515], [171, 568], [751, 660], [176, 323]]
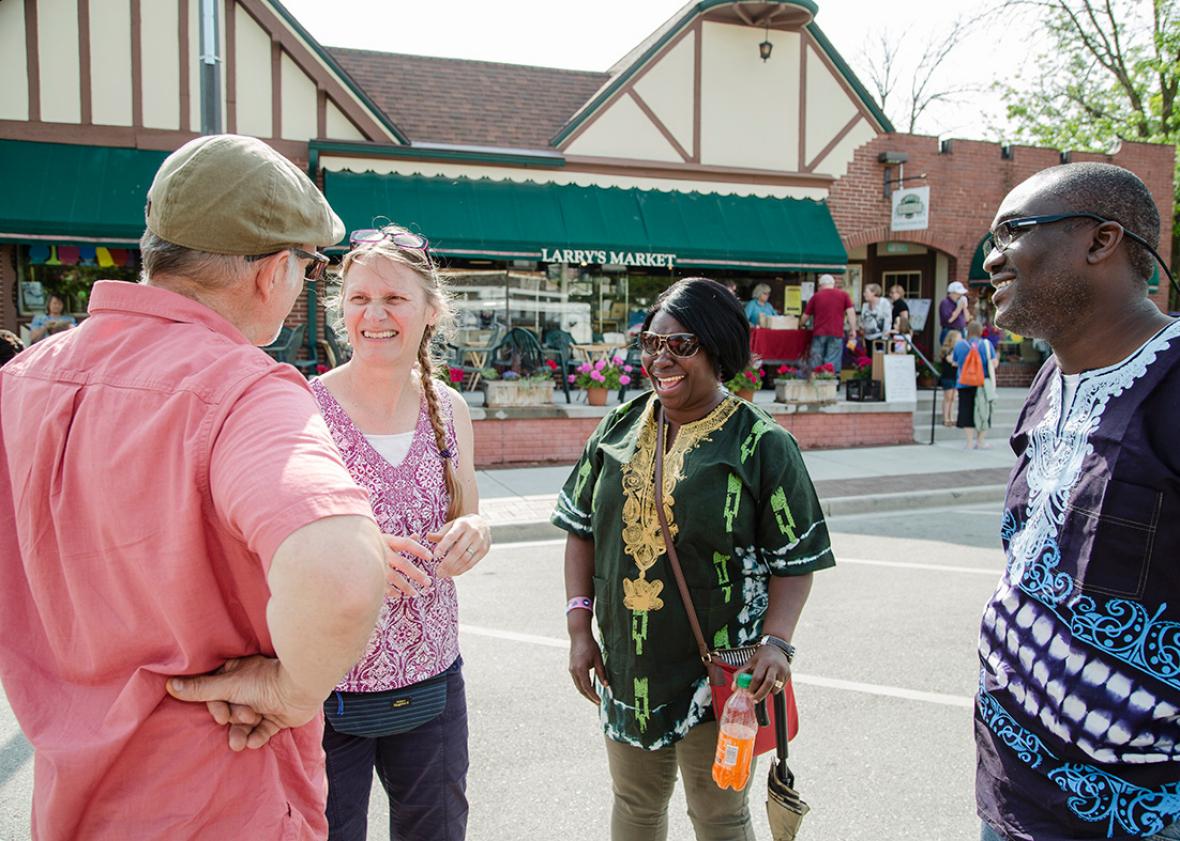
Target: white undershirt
[[1069, 387], [393, 448]]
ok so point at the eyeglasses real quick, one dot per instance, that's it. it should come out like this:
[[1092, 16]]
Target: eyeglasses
[[402, 239], [680, 345], [1001, 238], [319, 262]]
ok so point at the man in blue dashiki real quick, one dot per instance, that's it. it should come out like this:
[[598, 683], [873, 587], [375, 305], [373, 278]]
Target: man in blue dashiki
[[1076, 721]]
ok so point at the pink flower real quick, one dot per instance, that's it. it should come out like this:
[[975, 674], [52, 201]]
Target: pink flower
[[584, 368], [618, 360], [628, 368], [573, 377], [624, 380], [600, 364], [597, 376]]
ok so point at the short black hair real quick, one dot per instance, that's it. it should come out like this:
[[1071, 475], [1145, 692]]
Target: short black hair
[[10, 346], [1113, 193], [711, 312]]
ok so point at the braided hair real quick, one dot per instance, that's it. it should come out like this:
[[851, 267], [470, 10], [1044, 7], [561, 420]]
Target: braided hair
[[423, 267]]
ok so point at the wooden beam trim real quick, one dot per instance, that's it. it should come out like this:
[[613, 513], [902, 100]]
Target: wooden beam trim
[[698, 48], [84, 70], [624, 89], [659, 124], [344, 98], [33, 60], [321, 113], [744, 15], [840, 135], [186, 103], [230, 64], [276, 88], [693, 172], [802, 106], [807, 41], [136, 65]]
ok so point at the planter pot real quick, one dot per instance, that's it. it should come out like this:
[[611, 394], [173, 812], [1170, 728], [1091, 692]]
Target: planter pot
[[864, 390], [501, 393], [746, 394], [597, 396], [803, 391]]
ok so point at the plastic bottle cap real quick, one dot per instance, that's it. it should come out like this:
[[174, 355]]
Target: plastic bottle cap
[[744, 680]]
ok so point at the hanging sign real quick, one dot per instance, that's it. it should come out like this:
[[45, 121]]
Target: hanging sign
[[911, 209], [602, 255]]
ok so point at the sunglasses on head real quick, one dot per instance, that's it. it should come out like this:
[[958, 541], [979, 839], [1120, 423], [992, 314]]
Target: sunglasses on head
[[680, 345], [319, 262], [402, 239]]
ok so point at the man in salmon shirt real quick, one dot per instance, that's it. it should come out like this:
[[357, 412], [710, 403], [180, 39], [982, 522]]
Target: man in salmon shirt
[[172, 505]]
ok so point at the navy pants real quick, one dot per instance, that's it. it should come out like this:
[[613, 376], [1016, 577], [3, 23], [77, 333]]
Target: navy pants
[[424, 772]]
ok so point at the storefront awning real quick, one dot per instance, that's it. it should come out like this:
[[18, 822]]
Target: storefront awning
[[63, 193], [504, 220], [976, 274]]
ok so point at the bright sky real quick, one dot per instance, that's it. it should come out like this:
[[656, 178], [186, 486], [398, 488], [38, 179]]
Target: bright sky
[[594, 34]]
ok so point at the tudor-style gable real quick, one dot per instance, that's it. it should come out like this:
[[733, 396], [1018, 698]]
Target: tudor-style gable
[[698, 93], [127, 73]]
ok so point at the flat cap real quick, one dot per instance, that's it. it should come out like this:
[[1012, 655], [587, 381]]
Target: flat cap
[[230, 194]]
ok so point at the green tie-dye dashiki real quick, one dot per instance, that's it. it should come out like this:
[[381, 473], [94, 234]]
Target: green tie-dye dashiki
[[741, 507]]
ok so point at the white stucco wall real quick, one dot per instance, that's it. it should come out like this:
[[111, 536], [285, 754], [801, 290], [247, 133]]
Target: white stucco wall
[[667, 90], [624, 131], [252, 76], [338, 126], [159, 25], [110, 61], [828, 106], [299, 102], [836, 162], [14, 91], [749, 108], [564, 176], [57, 51]]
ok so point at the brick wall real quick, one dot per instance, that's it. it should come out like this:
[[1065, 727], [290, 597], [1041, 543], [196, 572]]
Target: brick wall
[[8, 287], [1016, 374], [967, 184], [516, 441]]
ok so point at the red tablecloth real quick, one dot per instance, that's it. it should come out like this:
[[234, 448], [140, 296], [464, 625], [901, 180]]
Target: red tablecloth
[[779, 345]]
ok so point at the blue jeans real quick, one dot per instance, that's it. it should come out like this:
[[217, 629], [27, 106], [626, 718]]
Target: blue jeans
[[1171, 833], [827, 349]]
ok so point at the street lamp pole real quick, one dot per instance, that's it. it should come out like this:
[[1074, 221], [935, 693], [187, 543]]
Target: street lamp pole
[[210, 75]]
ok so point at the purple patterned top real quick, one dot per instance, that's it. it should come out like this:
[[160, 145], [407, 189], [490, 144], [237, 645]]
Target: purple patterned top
[[416, 638]]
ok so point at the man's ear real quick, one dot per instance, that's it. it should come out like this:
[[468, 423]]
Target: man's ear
[[1104, 242], [269, 275]]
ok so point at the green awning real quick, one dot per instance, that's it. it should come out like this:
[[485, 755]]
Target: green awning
[[507, 220], [66, 193], [976, 273]]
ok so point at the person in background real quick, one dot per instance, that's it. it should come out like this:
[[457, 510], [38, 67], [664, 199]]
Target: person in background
[[407, 439], [749, 533], [54, 320], [10, 346], [903, 336], [832, 316], [759, 305], [730, 284], [952, 310], [186, 567], [948, 376], [876, 315], [1076, 714], [974, 419], [897, 297]]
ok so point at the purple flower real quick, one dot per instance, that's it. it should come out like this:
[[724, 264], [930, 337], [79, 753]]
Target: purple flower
[[597, 376], [624, 380]]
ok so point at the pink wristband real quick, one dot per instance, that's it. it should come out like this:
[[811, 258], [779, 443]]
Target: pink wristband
[[579, 603]]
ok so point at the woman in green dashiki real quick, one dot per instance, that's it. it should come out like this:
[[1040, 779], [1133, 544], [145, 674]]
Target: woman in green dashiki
[[749, 533]]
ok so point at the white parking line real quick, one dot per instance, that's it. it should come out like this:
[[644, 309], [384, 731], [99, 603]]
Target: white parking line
[[807, 680]]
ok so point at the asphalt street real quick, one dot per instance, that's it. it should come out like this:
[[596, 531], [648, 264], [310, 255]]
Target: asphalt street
[[885, 674]]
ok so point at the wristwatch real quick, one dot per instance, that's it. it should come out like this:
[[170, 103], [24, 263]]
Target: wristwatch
[[781, 644]]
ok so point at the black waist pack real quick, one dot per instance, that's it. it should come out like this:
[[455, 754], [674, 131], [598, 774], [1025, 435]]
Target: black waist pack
[[376, 714]]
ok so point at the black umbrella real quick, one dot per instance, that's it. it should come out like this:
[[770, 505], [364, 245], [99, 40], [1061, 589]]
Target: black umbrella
[[784, 807]]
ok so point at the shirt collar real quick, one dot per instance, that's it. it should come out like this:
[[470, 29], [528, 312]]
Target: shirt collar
[[140, 299]]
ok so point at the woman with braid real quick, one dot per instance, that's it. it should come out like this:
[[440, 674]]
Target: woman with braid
[[407, 438]]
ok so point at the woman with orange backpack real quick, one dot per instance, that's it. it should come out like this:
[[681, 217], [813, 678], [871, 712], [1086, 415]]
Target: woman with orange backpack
[[974, 358]]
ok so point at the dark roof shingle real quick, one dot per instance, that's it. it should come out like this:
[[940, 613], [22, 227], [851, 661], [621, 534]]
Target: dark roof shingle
[[478, 103]]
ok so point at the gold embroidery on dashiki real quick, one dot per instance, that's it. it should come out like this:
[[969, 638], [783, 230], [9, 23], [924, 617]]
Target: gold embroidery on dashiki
[[643, 541]]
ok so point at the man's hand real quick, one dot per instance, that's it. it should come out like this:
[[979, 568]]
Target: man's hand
[[585, 660], [254, 696]]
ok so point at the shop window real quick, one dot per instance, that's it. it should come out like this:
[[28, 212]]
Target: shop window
[[69, 271], [911, 282]]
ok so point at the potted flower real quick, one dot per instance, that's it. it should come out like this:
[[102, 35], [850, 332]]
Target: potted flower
[[514, 388], [601, 377], [862, 386], [746, 381], [794, 385]]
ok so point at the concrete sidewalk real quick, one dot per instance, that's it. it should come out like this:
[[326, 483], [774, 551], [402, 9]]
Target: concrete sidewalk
[[518, 501]]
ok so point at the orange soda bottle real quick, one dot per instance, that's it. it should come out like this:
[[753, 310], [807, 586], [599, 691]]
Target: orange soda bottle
[[735, 738]]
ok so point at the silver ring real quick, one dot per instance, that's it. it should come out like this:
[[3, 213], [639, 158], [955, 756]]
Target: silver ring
[[470, 550]]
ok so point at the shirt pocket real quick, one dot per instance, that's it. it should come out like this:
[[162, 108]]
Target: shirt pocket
[[1108, 537]]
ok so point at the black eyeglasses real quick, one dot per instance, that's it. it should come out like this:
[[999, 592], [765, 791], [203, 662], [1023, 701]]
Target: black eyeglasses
[[319, 262], [1005, 232], [680, 345], [402, 239]]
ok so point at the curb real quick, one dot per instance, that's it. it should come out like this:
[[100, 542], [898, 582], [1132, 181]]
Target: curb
[[526, 531]]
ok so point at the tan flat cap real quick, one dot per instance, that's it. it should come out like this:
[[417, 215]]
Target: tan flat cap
[[229, 194]]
